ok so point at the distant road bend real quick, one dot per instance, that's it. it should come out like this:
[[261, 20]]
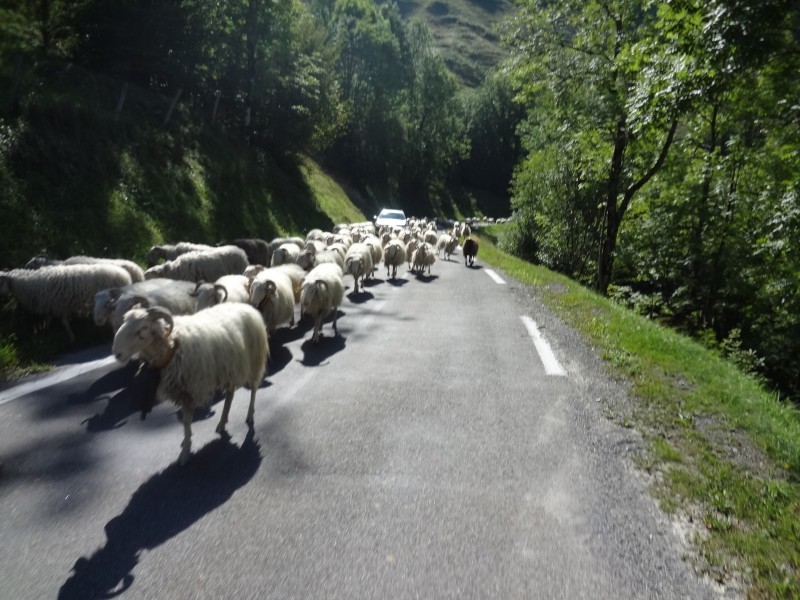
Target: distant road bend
[[450, 443]]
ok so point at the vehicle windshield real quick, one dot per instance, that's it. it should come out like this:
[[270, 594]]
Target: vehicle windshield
[[393, 214]]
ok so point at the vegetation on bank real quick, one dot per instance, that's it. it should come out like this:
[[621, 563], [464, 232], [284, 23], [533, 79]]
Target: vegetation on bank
[[662, 163], [724, 452]]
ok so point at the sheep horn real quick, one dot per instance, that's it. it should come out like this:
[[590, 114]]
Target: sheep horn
[[196, 289], [221, 288], [141, 301], [159, 312], [255, 270]]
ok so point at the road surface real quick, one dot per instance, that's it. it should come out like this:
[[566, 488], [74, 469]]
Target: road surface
[[450, 443]]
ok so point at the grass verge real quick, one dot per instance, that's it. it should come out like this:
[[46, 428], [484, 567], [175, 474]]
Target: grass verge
[[724, 452]]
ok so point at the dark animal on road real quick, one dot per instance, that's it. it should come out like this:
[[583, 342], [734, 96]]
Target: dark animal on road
[[470, 250]]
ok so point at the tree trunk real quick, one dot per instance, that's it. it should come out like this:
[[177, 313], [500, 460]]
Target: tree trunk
[[216, 106], [13, 105], [612, 216], [172, 106], [44, 26], [250, 28], [122, 95], [615, 212]]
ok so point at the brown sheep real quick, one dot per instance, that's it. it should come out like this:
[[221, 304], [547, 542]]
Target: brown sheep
[[470, 250]]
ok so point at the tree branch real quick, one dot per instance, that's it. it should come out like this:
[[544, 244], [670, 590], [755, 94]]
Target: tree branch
[[637, 185]]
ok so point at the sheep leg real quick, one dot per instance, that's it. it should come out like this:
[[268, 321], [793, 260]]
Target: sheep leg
[[317, 328], [335, 328], [225, 411], [252, 410], [186, 445], [65, 321]]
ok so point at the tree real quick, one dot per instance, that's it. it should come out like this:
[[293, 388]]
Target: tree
[[435, 137], [611, 88], [492, 118]]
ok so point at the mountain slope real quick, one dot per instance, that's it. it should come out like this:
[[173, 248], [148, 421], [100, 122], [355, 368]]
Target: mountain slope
[[464, 32]]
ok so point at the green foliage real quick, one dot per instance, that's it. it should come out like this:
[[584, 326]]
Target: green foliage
[[697, 237], [492, 118]]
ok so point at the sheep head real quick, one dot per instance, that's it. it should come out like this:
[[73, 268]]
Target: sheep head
[[156, 271], [104, 303], [307, 259], [144, 334], [353, 265]]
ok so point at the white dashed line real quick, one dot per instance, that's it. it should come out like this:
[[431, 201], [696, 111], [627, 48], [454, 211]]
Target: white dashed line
[[497, 279], [549, 360], [49, 380]]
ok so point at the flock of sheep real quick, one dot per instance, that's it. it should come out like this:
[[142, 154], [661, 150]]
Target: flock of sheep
[[202, 318]]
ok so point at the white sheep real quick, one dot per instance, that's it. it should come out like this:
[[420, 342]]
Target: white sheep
[[295, 272], [279, 241], [208, 265], [411, 246], [376, 247], [61, 291], [228, 288], [285, 253], [172, 251], [111, 304], [309, 259], [358, 262], [221, 348], [322, 293], [136, 272], [424, 256], [394, 255], [446, 243], [272, 293]]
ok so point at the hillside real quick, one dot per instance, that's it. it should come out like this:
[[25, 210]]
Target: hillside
[[463, 32], [115, 188]]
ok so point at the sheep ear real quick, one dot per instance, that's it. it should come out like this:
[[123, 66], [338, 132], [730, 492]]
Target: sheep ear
[[223, 290]]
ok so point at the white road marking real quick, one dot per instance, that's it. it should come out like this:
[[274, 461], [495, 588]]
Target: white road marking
[[61, 375], [495, 276], [549, 360]]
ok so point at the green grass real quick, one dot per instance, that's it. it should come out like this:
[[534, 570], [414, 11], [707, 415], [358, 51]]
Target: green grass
[[329, 196], [726, 452]]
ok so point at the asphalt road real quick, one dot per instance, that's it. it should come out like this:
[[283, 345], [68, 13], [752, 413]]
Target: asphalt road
[[424, 453]]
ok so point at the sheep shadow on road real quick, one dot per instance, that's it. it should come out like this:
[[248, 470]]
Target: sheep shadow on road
[[360, 297], [164, 506], [279, 356], [397, 281], [315, 354], [135, 392], [426, 278]]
